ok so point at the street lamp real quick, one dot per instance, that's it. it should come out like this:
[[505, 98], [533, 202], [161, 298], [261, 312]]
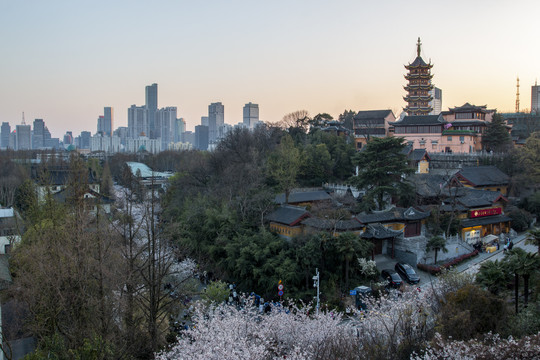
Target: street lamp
[[316, 280]]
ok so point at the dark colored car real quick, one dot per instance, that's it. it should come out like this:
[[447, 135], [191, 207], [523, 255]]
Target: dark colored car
[[392, 277], [407, 273]]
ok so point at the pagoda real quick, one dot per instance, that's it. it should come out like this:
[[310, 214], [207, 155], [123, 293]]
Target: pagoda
[[419, 77]]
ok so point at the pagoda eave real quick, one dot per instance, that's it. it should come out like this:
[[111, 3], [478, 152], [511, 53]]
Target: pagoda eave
[[427, 66]]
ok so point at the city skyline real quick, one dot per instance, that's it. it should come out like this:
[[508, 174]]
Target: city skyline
[[65, 62]]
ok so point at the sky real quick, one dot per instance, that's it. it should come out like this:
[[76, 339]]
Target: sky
[[63, 61]]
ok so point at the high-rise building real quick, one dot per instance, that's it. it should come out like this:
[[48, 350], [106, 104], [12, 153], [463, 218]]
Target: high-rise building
[[179, 129], [4, 135], [151, 97], [123, 133], [251, 115], [189, 137], [216, 118], [535, 99], [68, 138], [105, 121], [108, 115], [137, 121], [85, 140], [201, 137], [436, 102], [38, 140], [165, 123], [24, 137], [204, 120], [100, 125], [419, 85]]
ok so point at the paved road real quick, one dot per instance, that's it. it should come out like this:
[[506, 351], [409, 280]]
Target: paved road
[[474, 266]]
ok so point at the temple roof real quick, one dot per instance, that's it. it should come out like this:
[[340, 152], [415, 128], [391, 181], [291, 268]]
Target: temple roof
[[395, 214], [378, 231], [372, 114], [419, 120], [483, 175], [328, 224], [468, 108], [418, 62], [289, 215]]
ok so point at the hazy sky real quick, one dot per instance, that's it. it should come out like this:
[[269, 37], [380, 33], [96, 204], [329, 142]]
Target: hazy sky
[[63, 61]]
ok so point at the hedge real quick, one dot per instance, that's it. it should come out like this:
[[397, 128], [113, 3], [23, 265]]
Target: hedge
[[434, 269]]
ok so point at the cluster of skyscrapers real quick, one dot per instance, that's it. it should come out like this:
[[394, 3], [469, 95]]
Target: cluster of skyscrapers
[[149, 128]]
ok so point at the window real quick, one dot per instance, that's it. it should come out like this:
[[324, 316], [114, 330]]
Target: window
[[462, 138], [449, 138]]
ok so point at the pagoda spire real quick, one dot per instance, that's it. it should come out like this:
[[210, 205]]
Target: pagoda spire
[[418, 46]]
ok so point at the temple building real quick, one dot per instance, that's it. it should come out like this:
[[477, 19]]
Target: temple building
[[418, 98]]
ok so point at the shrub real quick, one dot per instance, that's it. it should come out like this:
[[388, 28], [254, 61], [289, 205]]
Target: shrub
[[434, 269]]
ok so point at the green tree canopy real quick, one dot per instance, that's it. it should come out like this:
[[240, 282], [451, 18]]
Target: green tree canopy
[[381, 168], [496, 138], [436, 243]]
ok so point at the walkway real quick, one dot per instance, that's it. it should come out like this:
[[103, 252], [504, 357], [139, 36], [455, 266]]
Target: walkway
[[472, 266]]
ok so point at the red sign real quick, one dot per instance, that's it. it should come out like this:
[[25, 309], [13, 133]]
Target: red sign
[[485, 212]]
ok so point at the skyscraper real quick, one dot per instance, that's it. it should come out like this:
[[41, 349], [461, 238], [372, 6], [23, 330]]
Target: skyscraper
[[137, 121], [4, 135], [216, 118], [108, 114], [436, 102], [201, 137], [251, 115], [106, 121], [101, 125], [165, 123], [535, 98], [85, 140], [179, 129], [152, 106], [38, 140], [23, 137]]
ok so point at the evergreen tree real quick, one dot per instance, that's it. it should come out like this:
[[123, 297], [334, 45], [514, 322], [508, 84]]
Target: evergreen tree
[[496, 138], [381, 168]]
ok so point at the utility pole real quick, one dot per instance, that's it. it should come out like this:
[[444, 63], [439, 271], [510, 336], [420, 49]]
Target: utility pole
[[316, 281]]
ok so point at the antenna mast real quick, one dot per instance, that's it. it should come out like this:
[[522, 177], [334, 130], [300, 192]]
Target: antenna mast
[[517, 96], [23, 122]]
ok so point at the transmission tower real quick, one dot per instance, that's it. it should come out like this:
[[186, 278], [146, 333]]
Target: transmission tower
[[517, 96]]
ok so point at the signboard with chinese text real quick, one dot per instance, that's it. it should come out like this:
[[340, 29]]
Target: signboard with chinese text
[[485, 212]]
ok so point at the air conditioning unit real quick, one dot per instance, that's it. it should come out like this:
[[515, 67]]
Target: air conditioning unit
[[463, 142]]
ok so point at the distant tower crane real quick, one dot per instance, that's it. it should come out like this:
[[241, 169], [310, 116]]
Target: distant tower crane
[[517, 96]]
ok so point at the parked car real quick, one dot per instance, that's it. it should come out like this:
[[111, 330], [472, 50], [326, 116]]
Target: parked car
[[407, 273], [361, 294], [392, 277]]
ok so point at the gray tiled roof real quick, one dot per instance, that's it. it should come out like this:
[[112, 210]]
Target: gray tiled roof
[[378, 231], [304, 196], [468, 108], [372, 114], [288, 214], [418, 62], [420, 120], [327, 224], [477, 198], [485, 220], [395, 214], [417, 154], [430, 185], [484, 175]]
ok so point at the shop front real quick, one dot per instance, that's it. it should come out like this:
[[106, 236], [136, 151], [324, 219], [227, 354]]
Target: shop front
[[483, 222]]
